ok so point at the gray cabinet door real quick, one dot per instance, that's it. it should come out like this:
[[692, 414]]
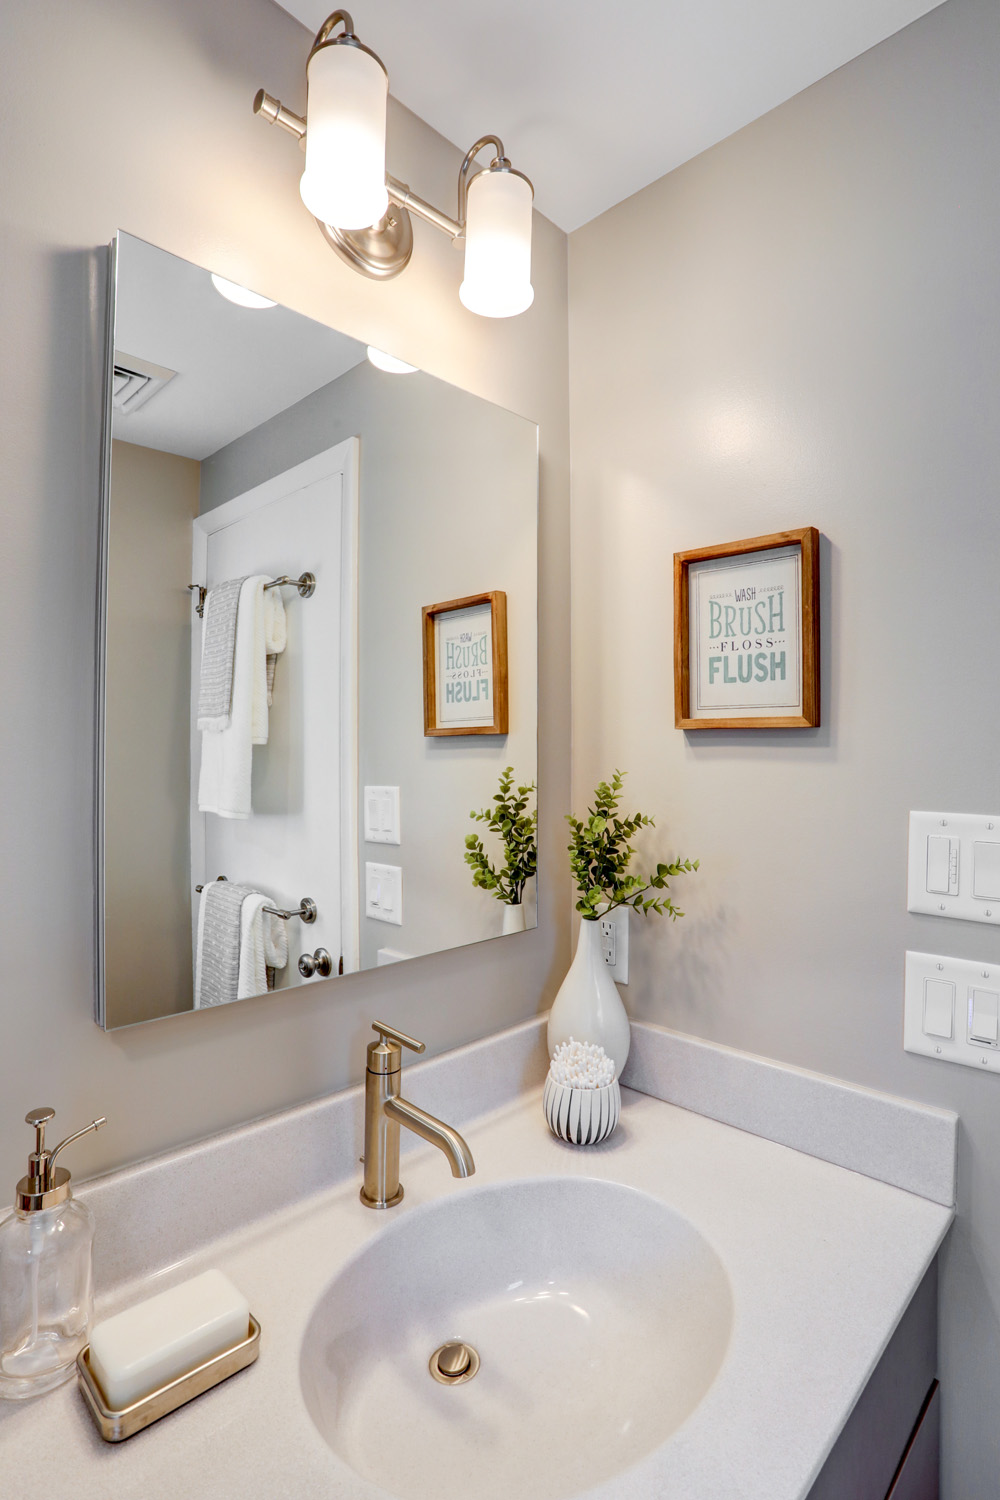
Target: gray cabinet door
[[918, 1476]]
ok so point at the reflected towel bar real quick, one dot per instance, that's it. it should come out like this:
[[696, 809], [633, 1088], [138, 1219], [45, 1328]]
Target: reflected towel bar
[[305, 583], [306, 908]]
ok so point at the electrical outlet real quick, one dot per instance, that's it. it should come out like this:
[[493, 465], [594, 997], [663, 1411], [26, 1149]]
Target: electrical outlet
[[614, 943]]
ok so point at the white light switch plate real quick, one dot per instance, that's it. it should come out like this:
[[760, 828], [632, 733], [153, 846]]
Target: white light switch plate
[[953, 866], [957, 994], [381, 814], [614, 943], [384, 893]]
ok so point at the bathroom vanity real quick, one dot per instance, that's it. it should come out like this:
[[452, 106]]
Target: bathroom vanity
[[733, 1296]]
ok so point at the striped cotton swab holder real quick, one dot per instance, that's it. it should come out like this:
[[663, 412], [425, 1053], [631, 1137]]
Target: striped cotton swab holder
[[584, 1117]]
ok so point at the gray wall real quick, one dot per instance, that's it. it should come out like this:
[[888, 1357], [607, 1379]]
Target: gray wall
[[195, 172], [448, 508], [147, 859], [801, 328]]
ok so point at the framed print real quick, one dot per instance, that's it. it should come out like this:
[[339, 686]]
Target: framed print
[[465, 665], [746, 634]]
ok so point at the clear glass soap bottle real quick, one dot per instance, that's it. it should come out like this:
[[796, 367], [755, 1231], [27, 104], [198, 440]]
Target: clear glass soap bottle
[[46, 1294]]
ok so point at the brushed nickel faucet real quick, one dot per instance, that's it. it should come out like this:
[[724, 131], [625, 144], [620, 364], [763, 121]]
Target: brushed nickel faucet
[[386, 1111]]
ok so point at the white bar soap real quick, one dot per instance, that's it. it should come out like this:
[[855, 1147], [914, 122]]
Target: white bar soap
[[148, 1345]]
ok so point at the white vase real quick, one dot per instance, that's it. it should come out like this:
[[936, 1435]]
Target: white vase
[[513, 919], [588, 1007]]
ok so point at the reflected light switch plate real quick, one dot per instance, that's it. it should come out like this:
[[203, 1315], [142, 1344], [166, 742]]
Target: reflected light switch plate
[[384, 893], [381, 814]]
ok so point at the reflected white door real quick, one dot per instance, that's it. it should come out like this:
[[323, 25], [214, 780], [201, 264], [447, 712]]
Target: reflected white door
[[300, 838]]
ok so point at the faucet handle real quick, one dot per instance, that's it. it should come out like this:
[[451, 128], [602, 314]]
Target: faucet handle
[[387, 1033], [385, 1055]]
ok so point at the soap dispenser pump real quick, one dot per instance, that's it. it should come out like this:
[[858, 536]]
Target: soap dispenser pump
[[46, 1288]]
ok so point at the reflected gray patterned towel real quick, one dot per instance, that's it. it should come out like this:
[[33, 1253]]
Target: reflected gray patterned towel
[[217, 965], [218, 647]]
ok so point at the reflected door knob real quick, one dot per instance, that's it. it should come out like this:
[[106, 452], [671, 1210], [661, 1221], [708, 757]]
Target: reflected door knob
[[319, 962]]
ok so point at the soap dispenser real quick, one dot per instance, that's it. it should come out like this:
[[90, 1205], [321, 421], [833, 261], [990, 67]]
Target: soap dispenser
[[46, 1292]]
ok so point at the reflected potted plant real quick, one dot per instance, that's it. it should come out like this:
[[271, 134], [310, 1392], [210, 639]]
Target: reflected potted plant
[[588, 1007], [517, 829]]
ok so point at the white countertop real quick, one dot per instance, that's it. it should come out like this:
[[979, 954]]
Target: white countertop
[[822, 1262]]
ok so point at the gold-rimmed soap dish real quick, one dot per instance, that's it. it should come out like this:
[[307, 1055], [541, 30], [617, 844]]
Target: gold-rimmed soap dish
[[115, 1425]]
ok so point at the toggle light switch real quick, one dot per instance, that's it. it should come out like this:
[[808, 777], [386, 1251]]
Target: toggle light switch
[[984, 1016]]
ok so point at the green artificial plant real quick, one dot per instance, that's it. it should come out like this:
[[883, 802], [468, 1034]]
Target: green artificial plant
[[600, 854], [517, 829]]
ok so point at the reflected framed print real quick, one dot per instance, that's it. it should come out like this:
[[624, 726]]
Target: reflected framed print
[[465, 665]]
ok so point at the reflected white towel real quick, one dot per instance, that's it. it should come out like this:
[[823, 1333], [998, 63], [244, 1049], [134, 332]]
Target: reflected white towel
[[263, 945], [275, 635], [217, 956], [218, 644], [227, 755]]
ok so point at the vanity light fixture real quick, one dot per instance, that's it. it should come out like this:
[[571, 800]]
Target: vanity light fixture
[[389, 362], [364, 214], [241, 295]]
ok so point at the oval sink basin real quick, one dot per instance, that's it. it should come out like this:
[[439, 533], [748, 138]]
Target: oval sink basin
[[600, 1318]]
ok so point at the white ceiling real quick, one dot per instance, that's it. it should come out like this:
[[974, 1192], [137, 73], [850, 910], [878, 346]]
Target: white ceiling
[[236, 367], [593, 101]]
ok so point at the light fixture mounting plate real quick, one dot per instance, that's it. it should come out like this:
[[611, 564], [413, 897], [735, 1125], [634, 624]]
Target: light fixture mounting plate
[[381, 251]]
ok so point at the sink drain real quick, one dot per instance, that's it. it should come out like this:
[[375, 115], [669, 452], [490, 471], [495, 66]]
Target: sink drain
[[454, 1363]]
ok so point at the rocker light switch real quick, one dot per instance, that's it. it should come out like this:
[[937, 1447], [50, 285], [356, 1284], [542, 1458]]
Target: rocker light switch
[[939, 1007], [986, 870], [984, 1016]]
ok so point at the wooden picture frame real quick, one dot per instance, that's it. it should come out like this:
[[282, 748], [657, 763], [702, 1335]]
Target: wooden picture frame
[[746, 634], [465, 665]]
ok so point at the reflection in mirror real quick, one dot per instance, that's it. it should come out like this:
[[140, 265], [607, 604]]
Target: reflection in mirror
[[278, 796]]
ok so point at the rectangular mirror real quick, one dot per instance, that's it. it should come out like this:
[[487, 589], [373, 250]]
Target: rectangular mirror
[[299, 547]]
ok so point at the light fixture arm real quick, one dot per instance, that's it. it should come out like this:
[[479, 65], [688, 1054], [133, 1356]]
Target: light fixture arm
[[326, 30], [499, 160], [275, 113]]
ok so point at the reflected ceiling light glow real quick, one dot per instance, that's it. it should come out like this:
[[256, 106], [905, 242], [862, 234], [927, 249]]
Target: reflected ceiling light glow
[[241, 295], [389, 362]]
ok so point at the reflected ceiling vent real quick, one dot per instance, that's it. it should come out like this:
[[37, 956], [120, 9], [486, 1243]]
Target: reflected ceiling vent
[[136, 381]]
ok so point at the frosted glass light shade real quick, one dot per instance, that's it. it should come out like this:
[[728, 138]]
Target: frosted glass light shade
[[498, 245], [344, 180]]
